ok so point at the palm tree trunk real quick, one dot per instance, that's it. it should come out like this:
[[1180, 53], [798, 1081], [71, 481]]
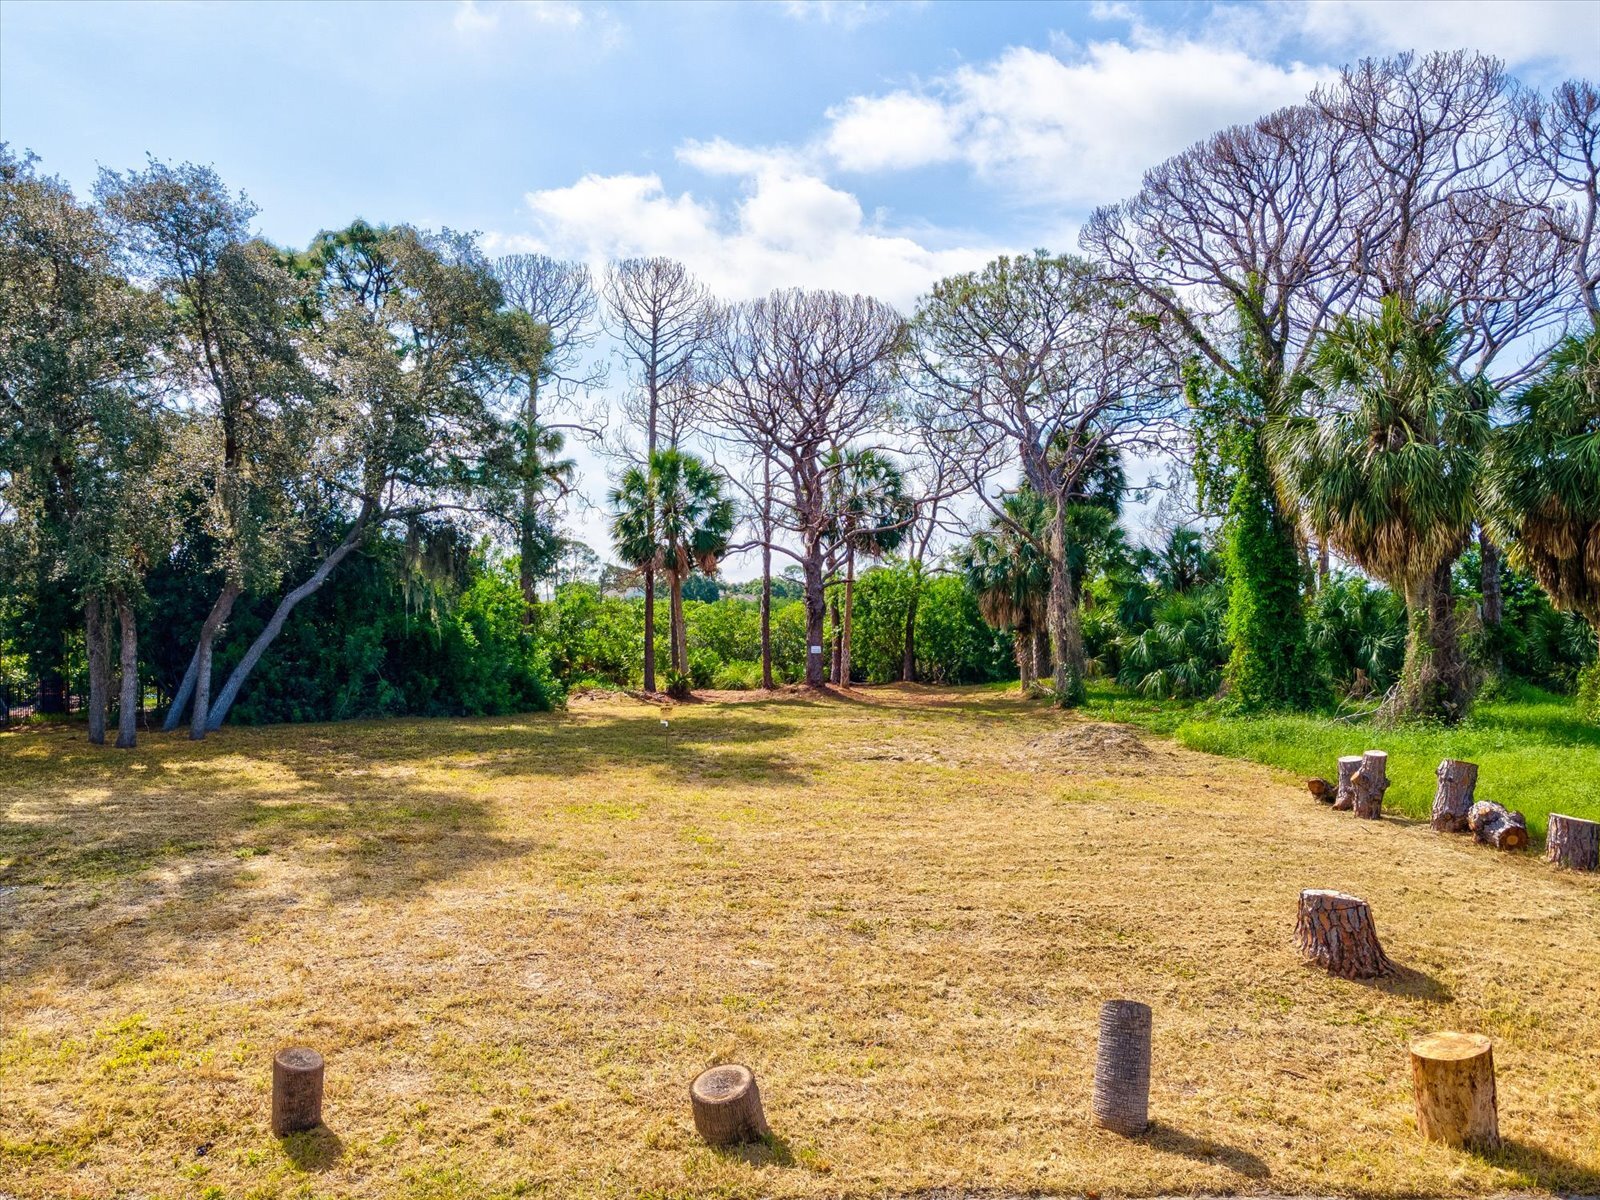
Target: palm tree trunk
[[837, 641], [1436, 680], [849, 615], [1065, 635], [678, 633], [97, 639], [1022, 646], [128, 705], [1041, 651], [649, 628]]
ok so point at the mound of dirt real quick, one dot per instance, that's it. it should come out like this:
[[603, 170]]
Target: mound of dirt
[[1104, 744]]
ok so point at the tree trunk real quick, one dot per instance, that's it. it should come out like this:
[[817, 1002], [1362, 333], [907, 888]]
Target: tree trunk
[[679, 631], [1065, 634], [1489, 580], [1453, 1077], [815, 613], [128, 705], [1322, 563], [849, 616], [1436, 680], [1335, 931], [1041, 651], [528, 508], [1493, 825], [1022, 646], [1122, 1068], [836, 642], [1369, 784], [180, 698], [908, 661], [236, 680], [97, 642], [649, 627], [766, 613], [1453, 799], [296, 1091], [1322, 791], [1573, 842], [727, 1106], [200, 719], [1344, 794]]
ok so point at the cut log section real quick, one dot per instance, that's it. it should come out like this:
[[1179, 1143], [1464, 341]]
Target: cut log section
[[1453, 800], [1453, 1076], [1494, 826], [1344, 796], [727, 1106], [1573, 842], [1335, 931], [1321, 789], [1368, 785], [296, 1091], [1122, 1068]]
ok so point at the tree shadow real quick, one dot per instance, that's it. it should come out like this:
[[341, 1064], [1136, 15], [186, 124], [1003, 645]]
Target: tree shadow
[[314, 1150], [1411, 983], [1161, 1136], [770, 1151], [1540, 1168]]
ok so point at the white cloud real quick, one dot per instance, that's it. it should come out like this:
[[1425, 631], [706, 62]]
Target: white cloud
[[894, 131], [475, 19], [847, 14]]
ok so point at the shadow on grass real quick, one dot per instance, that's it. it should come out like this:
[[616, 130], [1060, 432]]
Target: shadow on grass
[[316, 1149], [770, 1151], [1161, 1136], [1412, 984], [1539, 1168]]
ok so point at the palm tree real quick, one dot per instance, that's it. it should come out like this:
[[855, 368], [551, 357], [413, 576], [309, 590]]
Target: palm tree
[[673, 517], [871, 513], [1389, 476], [1010, 575], [1185, 562]]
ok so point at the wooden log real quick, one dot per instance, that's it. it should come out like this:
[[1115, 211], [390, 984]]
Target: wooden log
[[1368, 785], [1344, 795], [727, 1106], [1322, 790], [296, 1091], [1573, 842], [1453, 1077], [1122, 1068], [1494, 826], [1335, 931], [1453, 799]]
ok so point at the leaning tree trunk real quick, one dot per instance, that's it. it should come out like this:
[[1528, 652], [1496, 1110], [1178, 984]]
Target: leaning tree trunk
[[97, 642], [1066, 636], [1345, 792], [1493, 825], [1368, 785], [1573, 842], [1335, 931], [128, 705], [1453, 800], [200, 719], [180, 698]]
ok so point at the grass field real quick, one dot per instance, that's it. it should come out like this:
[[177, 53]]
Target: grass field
[[1532, 750], [516, 940]]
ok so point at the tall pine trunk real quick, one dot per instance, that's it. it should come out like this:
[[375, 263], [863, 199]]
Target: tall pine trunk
[[97, 642], [128, 703], [766, 612], [1066, 636], [816, 613], [849, 616]]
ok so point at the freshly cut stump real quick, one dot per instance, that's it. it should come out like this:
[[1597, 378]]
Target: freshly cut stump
[[1321, 789], [1573, 842], [1453, 1075], [1344, 797], [1336, 932], [1368, 785], [1453, 800], [1492, 825], [727, 1106], [296, 1091], [1122, 1068]]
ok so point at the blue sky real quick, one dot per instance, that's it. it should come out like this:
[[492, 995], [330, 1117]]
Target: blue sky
[[865, 146]]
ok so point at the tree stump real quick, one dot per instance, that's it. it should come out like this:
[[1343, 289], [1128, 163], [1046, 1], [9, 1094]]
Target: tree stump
[[1321, 790], [1573, 842], [727, 1106], [1453, 1076], [1492, 825], [1453, 800], [1122, 1068], [1335, 931], [1344, 795], [1368, 785], [296, 1091]]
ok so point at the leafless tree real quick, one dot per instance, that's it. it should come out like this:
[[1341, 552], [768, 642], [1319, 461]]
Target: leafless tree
[[1560, 141], [798, 376]]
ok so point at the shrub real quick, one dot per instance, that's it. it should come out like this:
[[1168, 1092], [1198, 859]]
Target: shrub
[[737, 677]]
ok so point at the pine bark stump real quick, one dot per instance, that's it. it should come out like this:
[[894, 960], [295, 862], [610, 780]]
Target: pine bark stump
[[1344, 795], [1453, 1077], [1368, 785], [1453, 800], [296, 1091], [1335, 931], [1573, 842], [727, 1106], [1494, 826], [1321, 790], [1122, 1068]]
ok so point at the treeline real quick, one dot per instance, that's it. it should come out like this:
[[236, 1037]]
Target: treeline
[[297, 483]]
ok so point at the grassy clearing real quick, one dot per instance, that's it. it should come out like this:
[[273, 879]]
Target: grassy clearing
[[516, 940], [1532, 750]]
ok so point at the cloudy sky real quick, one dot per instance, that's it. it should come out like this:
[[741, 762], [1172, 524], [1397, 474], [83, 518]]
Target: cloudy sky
[[850, 144]]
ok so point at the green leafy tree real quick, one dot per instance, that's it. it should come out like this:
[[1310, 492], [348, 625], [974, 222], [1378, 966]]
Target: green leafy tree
[[870, 514]]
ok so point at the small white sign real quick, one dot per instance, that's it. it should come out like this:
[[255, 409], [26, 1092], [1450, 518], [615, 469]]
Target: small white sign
[[816, 649]]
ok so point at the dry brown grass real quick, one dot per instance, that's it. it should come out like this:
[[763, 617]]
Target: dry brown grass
[[517, 939]]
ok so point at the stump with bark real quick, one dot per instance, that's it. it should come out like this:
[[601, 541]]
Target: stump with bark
[[1573, 842], [1335, 931], [1344, 795], [1321, 790], [1368, 785], [1453, 800], [1122, 1068], [296, 1091], [1453, 1076], [1494, 826], [727, 1106]]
